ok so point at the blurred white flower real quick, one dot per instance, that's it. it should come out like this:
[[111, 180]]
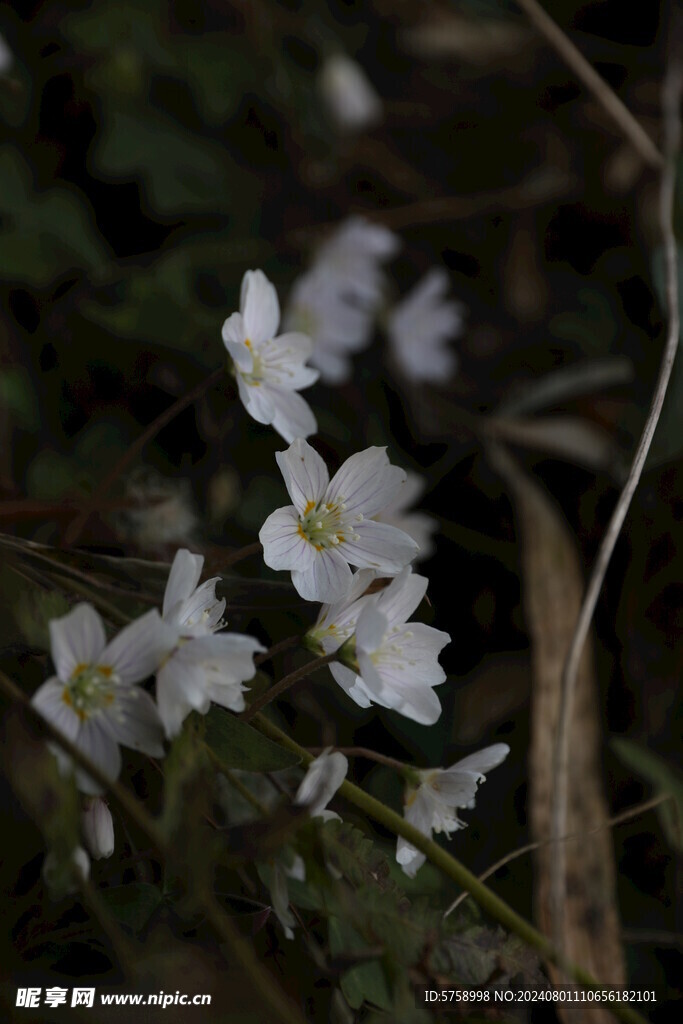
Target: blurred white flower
[[432, 806], [322, 780], [94, 700], [397, 660], [97, 827], [200, 667], [354, 254], [329, 524], [418, 525], [338, 323], [419, 327], [348, 94], [162, 513], [281, 870], [63, 878], [270, 370]]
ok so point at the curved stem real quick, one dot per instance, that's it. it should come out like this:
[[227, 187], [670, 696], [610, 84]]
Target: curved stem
[[595, 84], [369, 755], [74, 531], [671, 94], [443, 860], [268, 992], [227, 561], [618, 819], [278, 648], [285, 683]]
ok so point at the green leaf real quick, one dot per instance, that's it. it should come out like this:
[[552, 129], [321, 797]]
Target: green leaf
[[235, 744], [664, 778], [133, 904], [44, 234], [364, 982]]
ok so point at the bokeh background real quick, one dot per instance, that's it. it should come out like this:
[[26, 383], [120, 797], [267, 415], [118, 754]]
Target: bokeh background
[[154, 151]]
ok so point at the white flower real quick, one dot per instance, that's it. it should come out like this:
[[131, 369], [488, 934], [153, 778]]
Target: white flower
[[418, 525], [354, 254], [97, 827], [419, 327], [336, 623], [161, 512], [350, 97], [397, 660], [270, 370], [338, 323], [322, 780], [93, 700], [329, 526], [432, 806], [201, 667]]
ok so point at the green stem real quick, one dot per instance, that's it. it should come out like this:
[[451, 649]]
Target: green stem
[[274, 999], [284, 684], [456, 871]]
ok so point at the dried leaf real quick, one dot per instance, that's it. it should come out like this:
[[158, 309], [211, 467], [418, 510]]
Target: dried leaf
[[553, 588]]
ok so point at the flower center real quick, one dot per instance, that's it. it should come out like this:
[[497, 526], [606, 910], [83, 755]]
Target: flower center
[[325, 526], [90, 689]]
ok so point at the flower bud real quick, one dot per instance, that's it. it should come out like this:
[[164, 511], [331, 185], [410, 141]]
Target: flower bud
[[98, 827]]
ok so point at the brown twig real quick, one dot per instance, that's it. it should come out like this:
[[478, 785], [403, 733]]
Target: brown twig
[[278, 648], [671, 94], [594, 82], [75, 529], [369, 755], [618, 819], [285, 683]]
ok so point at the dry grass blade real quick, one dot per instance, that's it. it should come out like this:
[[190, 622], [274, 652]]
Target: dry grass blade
[[553, 589]]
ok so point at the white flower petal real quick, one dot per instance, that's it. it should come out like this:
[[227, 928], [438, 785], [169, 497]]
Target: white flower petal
[[304, 472], [259, 306], [483, 761], [418, 813], [326, 579], [399, 600], [134, 721], [98, 828], [351, 684], [367, 482], [99, 747], [183, 578], [371, 628], [138, 650], [49, 701], [257, 400], [379, 547], [179, 690], [292, 415], [323, 778], [76, 639], [284, 547]]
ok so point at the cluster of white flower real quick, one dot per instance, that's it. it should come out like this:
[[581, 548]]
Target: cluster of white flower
[[95, 700], [359, 518]]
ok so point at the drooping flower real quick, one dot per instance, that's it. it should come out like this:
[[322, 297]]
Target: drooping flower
[[97, 827], [202, 665], [287, 865], [270, 369], [397, 660], [322, 780], [329, 525], [348, 94], [433, 805], [94, 700], [338, 323], [420, 326], [418, 525]]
